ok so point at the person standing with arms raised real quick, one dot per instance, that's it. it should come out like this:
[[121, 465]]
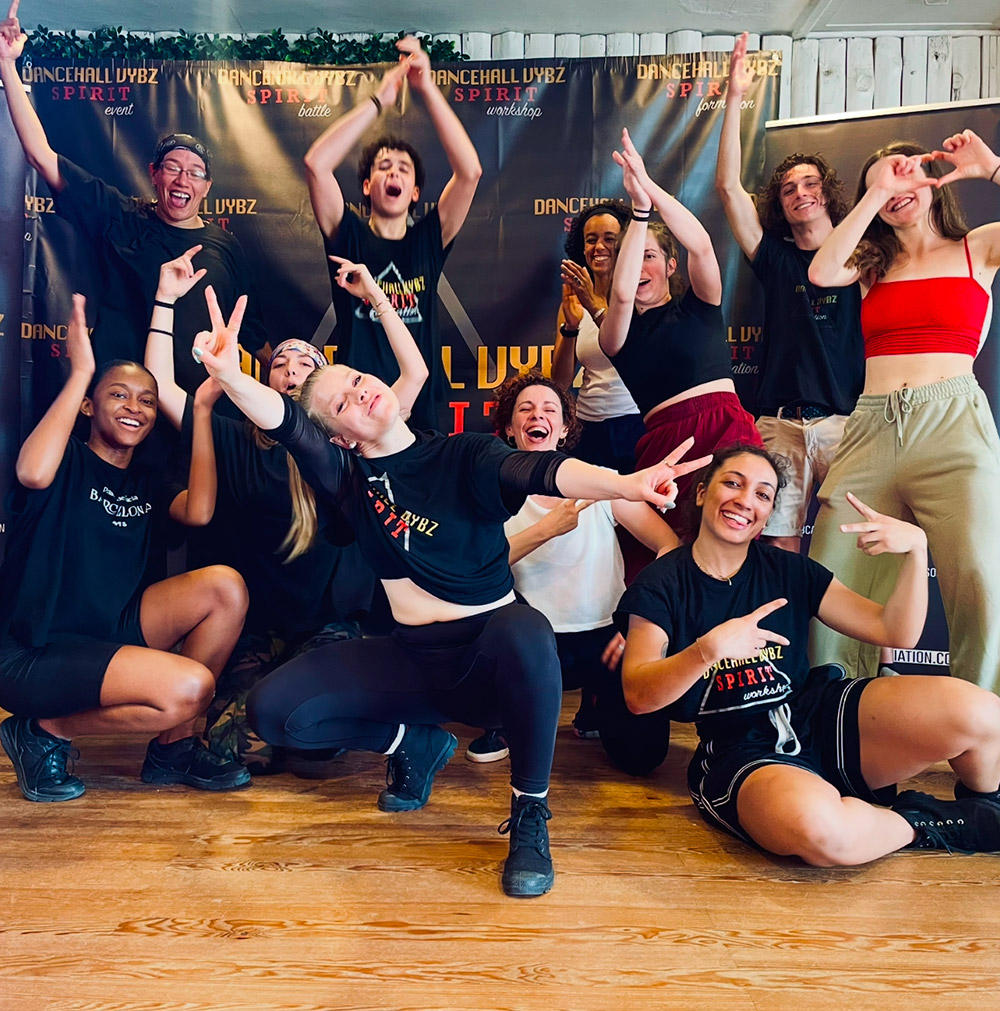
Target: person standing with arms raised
[[405, 259]]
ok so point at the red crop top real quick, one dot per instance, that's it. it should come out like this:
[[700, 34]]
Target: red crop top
[[925, 315]]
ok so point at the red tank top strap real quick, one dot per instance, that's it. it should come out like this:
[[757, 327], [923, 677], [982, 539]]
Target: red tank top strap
[[968, 256]]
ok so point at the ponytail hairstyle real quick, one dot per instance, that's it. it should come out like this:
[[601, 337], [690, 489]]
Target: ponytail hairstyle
[[880, 248], [302, 531]]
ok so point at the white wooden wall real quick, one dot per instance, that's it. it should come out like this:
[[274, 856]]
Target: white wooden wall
[[821, 75]]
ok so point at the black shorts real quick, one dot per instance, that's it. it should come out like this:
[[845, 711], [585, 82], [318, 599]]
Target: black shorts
[[64, 677], [824, 726]]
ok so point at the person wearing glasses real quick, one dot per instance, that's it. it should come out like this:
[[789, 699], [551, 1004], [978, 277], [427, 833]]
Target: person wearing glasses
[[128, 239]]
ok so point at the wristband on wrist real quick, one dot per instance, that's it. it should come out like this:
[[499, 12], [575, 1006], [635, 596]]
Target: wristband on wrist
[[568, 331], [641, 213], [166, 333], [600, 314], [377, 104], [163, 305]]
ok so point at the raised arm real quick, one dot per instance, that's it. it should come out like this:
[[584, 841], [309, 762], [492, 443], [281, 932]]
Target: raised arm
[[218, 350], [651, 681], [702, 263], [43, 450], [177, 278], [900, 620], [456, 197], [195, 505], [27, 125], [628, 266], [645, 525], [737, 203], [578, 480], [330, 149], [357, 279], [972, 158]]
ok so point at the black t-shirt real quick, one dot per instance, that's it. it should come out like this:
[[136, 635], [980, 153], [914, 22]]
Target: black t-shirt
[[77, 550], [433, 512], [672, 348], [131, 244], [408, 270], [735, 696], [253, 512], [813, 351]]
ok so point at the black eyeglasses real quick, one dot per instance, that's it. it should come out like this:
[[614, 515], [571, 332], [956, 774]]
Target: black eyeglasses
[[173, 169]]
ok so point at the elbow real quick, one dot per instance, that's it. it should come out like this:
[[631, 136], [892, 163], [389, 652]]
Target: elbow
[[474, 172], [817, 275], [312, 162], [32, 478]]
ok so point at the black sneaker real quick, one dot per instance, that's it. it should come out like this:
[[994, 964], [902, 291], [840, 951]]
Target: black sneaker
[[488, 747], [39, 759], [410, 770], [528, 869], [970, 825], [188, 761]]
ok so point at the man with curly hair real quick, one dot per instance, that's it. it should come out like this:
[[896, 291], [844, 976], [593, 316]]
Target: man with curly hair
[[813, 365], [405, 258]]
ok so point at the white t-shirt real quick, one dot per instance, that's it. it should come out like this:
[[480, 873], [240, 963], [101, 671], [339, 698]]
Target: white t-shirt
[[603, 394], [576, 579]]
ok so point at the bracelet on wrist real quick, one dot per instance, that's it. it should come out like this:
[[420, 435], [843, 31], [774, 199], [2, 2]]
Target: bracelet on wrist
[[599, 314], [569, 331], [995, 171], [166, 333], [377, 104], [388, 308], [701, 653], [641, 215], [163, 305]]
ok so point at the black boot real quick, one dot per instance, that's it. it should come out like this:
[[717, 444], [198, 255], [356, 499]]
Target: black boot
[[528, 869]]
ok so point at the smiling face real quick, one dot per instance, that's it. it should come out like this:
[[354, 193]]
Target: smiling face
[[359, 408], [178, 193], [738, 499], [289, 369], [122, 408], [600, 233], [801, 195], [537, 420], [654, 285], [391, 184], [902, 209]]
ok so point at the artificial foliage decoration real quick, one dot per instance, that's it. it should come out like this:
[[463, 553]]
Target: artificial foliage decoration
[[315, 47]]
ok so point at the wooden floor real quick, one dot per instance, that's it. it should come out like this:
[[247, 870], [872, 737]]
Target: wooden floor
[[297, 895]]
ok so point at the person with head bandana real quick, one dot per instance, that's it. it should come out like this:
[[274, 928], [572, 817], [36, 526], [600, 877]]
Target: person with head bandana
[[128, 239]]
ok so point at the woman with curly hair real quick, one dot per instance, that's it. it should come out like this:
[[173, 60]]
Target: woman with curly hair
[[921, 444], [611, 424], [567, 563]]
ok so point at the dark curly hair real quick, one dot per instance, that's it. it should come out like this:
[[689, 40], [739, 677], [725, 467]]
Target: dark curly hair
[[772, 217], [879, 246], [391, 143], [618, 209], [511, 389], [690, 511]]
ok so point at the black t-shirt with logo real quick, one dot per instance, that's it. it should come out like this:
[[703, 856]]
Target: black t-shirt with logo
[[253, 512], [408, 270], [734, 697], [76, 552], [814, 352], [433, 512], [130, 244], [671, 348]]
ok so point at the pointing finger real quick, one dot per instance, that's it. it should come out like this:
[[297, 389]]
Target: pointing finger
[[769, 608]]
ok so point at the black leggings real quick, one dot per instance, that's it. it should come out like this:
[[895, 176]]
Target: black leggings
[[496, 668]]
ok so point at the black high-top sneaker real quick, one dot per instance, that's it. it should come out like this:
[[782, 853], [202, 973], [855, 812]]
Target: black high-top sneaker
[[970, 825], [528, 869]]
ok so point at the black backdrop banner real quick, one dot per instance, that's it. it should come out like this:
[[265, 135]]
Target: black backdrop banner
[[544, 132], [848, 144], [12, 227]]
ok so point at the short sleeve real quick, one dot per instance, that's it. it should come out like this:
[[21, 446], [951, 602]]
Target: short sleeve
[[86, 201], [652, 596], [763, 261]]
